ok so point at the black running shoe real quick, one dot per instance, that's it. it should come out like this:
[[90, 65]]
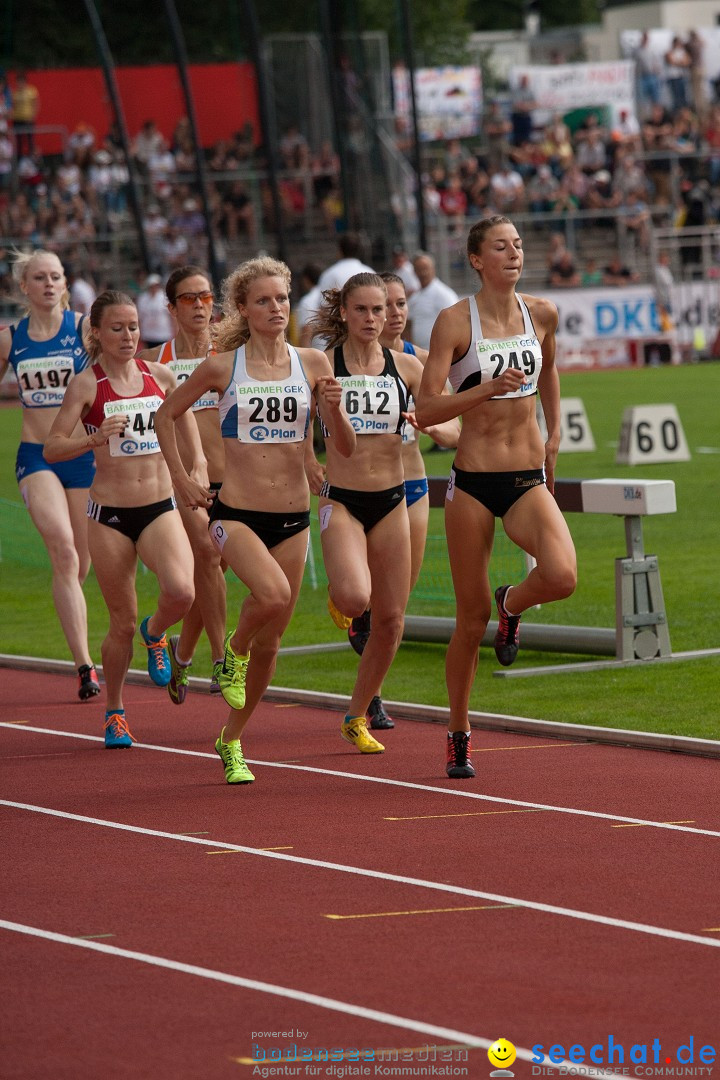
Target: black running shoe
[[458, 756], [88, 685], [379, 719], [359, 632], [507, 637]]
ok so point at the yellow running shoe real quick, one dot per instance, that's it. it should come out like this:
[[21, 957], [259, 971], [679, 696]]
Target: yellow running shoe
[[354, 730], [236, 771], [232, 675], [343, 622]]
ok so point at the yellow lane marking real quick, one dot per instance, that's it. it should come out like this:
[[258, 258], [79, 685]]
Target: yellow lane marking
[[711, 930], [205, 833], [640, 825], [93, 937], [234, 851], [421, 911], [20, 721], [388, 1053], [536, 746], [288, 705], [478, 813]]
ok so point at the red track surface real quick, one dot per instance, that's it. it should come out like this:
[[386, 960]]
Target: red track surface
[[532, 976]]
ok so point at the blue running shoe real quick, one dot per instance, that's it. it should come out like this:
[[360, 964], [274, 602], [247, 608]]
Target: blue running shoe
[[159, 668], [117, 733]]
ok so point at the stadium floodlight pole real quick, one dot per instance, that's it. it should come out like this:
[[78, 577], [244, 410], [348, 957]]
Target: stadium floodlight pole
[[181, 61], [409, 51], [269, 135], [108, 67]]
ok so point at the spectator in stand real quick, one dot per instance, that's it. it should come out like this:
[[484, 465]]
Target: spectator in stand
[[426, 304], [173, 249], [636, 219], [238, 213], [557, 146], [325, 168], [308, 306], [25, 108], [81, 145], [405, 270], [82, 292], [523, 106], [453, 202], [564, 273], [7, 157], [625, 135], [616, 273], [294, 149], [664, 282], [629, 175], [657, 132], [711, 137], [478, 190], [591, 153], [161, 167], [677, 63], [5, 98], [592, 274], [565, 200], [454, 156], [148, 141], [496, 131], [349, 263], [156, 326], [542, 189], [648, 67], [507, 192], [601, 195], [154, 226], [695, 48]]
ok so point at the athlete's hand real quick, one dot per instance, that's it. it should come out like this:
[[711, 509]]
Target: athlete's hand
[[190, 493], [330, 390], [412, 421], [510, 380], [111, 425], [551, 454], [315, 474]]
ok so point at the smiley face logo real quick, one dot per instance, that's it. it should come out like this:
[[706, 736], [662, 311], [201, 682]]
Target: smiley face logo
[[502, 1054]]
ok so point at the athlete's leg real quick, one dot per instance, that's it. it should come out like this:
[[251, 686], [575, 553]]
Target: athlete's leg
[[165, 549], [345, 556], [289, 556], [537, 526], [45, 499], [77, 500], [470, 528], [208, 608], [419, 514], [115, 563], [388, 546]]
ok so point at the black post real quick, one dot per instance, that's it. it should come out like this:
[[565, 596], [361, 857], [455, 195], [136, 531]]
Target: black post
[[268, 133], [331, 37], [108, 67], [181, 60], [407, 35]]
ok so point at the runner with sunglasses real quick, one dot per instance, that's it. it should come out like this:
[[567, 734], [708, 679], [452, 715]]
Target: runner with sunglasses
[[190, 302]]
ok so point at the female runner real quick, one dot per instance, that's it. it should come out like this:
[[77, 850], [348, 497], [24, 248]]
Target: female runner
[[131, 507], [260, 519], [497, 348], [364, 524], [416, 485], [190, 302], [46, 350]]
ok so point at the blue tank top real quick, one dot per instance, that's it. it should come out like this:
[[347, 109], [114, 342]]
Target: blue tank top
[[487, 358], [408, 347], [44, 368]]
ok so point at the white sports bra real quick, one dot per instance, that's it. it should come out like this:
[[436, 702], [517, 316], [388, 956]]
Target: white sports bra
[[486, 359]]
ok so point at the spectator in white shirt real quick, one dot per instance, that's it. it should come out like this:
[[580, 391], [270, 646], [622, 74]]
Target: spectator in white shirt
[[335, 276], [156, 326], [431, 298], [404, 269]]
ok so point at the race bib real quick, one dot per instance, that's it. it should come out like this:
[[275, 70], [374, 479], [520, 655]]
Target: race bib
[[139, 435], [271, 413], [372, 403], [409, 433], [183, 369], [523, 353], [43, 380]]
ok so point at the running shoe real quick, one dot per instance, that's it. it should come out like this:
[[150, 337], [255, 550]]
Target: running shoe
[[507, 637], [232, 675], [379, 719], [236, 771], [178, 685], [88, 685], [354, 730], [117, 733], [158, 658], [215, 677], [359, 632], [458, 756], [343, 622]]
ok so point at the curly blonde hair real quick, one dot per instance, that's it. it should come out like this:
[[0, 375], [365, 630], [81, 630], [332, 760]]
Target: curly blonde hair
[[233, 331], [21, 262], [328, 323]]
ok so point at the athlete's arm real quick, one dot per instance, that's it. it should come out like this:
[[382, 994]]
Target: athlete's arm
[[175, 422], [5, 346], [329, 397], [62, 444], [545, 314]]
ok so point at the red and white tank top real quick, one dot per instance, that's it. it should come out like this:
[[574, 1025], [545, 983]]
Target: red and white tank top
[[139, 436]]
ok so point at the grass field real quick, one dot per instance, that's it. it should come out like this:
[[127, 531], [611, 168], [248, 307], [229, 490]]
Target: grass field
[[680, 697]]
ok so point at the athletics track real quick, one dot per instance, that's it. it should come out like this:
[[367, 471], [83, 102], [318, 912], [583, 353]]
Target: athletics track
[[155, 921]]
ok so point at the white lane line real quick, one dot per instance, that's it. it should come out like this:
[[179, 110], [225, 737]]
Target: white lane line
[[457, 793], [359, 871], [331, 1004]]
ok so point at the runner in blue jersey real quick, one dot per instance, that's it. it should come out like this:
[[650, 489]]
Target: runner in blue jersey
[[46, 351], [260, 519], [497, 349]]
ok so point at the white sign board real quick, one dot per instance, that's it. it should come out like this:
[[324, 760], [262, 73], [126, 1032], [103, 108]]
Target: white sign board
[[575, 433], [448, 100], [651, 433], [564, 87]]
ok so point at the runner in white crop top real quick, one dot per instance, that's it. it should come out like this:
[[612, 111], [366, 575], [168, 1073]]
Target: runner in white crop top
[[498, 350]]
